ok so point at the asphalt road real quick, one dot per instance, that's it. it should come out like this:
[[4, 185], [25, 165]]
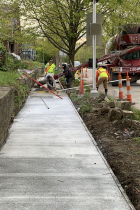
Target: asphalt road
[[114, 91]]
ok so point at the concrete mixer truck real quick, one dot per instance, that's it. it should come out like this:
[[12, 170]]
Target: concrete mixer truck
[[122, 53]]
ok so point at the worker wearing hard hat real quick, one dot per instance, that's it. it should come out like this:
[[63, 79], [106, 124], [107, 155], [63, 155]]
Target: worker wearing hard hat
[[46, 66], [102, 76], [50, 67], [47, 69]]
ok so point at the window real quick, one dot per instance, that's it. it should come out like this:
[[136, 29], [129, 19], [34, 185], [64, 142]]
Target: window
[[130, 56]]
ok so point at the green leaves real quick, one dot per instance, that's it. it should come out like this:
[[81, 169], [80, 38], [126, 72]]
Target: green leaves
[[120, 1], [116, 14]]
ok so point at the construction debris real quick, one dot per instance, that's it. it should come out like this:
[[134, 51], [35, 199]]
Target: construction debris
[[127, 114], [118, 137], [115, 114], [124, 105]]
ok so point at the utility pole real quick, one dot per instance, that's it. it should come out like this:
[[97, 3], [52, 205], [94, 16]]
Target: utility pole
[[94, 92]]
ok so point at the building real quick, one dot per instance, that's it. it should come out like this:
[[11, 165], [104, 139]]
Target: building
[[28, 53]]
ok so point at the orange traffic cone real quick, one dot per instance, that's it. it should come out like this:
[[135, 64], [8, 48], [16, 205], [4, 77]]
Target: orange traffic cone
[[82, 77], [86, 73], [120, 86], [129, 98], [79, 74], [81, 90]]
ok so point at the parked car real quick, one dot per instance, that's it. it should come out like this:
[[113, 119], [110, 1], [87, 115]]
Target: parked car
[[77, 63]]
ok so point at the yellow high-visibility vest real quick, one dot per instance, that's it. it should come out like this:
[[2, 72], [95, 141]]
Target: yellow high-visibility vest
[[102, 72]]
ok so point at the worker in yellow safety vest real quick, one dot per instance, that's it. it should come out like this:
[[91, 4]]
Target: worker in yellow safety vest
[[47, 69], [46, 66], [103, 76], [52, 67]]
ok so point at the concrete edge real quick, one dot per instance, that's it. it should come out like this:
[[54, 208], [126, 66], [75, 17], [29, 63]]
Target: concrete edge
[[108, 166]]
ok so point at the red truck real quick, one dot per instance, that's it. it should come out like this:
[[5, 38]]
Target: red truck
[[123, 54]]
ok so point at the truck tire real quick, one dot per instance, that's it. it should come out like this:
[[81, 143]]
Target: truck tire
[[114, 76]]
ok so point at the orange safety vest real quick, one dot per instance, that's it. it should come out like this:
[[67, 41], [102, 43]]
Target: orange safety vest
[[102, 72], [47, 69]]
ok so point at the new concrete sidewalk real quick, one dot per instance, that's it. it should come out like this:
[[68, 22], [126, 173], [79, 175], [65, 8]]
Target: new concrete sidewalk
[[50, 162]]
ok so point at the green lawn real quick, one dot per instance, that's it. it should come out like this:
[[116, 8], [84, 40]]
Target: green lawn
[[8, 78], [30, 65]]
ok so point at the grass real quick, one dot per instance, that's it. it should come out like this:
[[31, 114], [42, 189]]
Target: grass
[[137, 139], [110, 98], [31, 65], [75, 83], [86, 107], [136, 114], [87, 89], [8, 78], [75, 97], [85, 104]]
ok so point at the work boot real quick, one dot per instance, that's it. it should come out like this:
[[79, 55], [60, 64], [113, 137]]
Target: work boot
[[106, 92]]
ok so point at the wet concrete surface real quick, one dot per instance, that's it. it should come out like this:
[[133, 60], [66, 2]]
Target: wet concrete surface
[[50, 162]]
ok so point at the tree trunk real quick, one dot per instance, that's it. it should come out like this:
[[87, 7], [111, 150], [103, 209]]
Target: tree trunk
[[71, 59]]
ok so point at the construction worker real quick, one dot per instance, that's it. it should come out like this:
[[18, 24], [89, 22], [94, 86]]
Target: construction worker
[[68, 75], [51, 68], [49, 80], [47, 69], [48, 64], [103, 76]]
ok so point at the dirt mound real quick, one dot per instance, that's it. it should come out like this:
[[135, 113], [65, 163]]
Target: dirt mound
[[120, 148]]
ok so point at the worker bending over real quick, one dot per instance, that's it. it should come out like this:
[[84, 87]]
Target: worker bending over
[[49, 80], [103, 76]]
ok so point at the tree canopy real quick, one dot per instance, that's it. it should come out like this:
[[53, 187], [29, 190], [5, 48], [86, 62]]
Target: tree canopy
[[63, 22], [116, 14], [44, 46]]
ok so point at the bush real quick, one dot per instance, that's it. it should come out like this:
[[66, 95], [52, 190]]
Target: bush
[[136, 114], [12, 64], [86, 107], [2, 55], [76, 83]]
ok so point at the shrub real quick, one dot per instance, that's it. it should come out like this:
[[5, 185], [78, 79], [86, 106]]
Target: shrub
[[2, 55]]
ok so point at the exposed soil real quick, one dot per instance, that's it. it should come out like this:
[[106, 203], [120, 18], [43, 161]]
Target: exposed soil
[[120, 143]]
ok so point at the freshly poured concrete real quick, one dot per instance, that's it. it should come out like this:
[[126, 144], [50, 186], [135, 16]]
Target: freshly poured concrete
[[50, 162]]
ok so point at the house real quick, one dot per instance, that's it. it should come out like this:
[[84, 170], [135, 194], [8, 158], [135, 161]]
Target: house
[[28, 53]]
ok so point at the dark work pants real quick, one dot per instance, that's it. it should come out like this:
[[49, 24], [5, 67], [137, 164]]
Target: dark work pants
[[69, 80]]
